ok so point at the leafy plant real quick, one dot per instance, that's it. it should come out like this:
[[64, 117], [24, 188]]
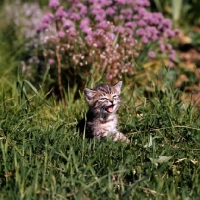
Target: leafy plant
[[178, 10], [89, 38]]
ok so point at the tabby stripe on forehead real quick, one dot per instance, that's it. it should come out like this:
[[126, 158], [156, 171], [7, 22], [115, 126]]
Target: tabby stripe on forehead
[[106, 89], [109, 89]]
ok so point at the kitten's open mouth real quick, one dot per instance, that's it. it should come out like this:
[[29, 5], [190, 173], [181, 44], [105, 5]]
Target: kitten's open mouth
[[110, 109]]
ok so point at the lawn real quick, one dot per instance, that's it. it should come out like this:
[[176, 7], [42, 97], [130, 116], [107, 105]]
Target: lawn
[[43, 156]]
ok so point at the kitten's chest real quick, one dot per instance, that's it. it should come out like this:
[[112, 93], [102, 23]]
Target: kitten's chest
[[109, 126]]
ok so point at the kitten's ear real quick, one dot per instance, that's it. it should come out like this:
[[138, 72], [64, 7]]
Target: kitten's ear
[[89, 94], [118, 87]]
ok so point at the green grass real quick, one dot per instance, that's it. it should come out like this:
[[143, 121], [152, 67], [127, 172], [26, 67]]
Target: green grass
[[43, 157]]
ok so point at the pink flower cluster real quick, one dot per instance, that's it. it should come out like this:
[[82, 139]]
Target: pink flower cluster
[[116, 30]]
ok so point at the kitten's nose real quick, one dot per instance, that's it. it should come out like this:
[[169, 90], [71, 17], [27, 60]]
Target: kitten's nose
[[111, 102]]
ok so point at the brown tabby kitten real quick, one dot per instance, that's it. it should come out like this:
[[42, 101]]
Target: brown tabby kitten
[[104, 100]]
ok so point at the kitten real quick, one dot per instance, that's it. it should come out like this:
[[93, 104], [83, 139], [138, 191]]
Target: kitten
[[101, 121]]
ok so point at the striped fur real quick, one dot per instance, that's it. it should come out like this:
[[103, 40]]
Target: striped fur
[[101, 121]]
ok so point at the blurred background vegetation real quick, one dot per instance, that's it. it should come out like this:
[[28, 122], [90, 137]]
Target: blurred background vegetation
[[21, 57]]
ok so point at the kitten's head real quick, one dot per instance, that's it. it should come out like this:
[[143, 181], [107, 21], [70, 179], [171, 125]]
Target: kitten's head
[[104, 98]]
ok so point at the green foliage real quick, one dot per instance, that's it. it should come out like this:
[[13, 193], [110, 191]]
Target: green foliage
[[179, 10], [43, 157]]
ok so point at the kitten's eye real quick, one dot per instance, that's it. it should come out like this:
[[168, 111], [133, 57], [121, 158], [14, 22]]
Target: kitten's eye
[[115, 96], [103, 98]]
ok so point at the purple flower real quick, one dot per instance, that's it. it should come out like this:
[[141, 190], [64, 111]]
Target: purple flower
[[127, 11], [67, 23], [119, 29], [89, 38], [86, 29], [54, 4], [146, 3], [145, 40], [129, 31], [154, 37], [169, 47], [140, 32], [142, 3], [142, 23], [122, 2], [152, 33], [176, 31], [151, 54], [167, 23], [105, 3], [132, 25], [152, 19], [60, 13], [103, 24], [129, 2], [142, 12], [159, 16], [99, 18], [170, 33], [84, 25], [172, 55], [47, 18], [110, 11], [111, 36], [75, 16], [84, 22], [43, 26], [83, 9], [98, 11], [170, 64], [51, 61], [131, 40], [72, 32], [136, 17], [76, 7], [61, 34]]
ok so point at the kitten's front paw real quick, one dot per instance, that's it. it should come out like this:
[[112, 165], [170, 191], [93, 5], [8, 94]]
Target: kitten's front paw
[[126, 140], [120, 137]]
